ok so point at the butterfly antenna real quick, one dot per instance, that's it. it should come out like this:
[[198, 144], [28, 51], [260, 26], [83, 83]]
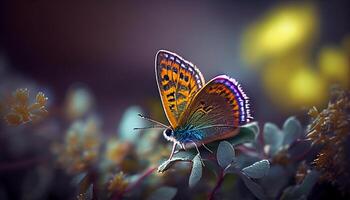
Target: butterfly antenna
[[154, 121], [199, 154], [150, 127]]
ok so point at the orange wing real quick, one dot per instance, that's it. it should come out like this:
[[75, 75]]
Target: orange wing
[[178, 80]]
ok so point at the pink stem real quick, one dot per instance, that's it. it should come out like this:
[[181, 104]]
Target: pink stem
[[119, 195], [218, 184]]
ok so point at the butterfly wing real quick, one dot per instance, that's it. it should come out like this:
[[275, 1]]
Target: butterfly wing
[[215, 113], [178, 80]]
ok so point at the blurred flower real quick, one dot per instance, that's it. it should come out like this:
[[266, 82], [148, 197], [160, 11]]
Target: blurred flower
[[283, 29], [281, 45], [116, 151], [162, 154], [78, 102], [81, 146], [305, 88], [129, 121], [292, 84], [120, 155], [330, 129], [118, 183], [334, 65], [22, 111]]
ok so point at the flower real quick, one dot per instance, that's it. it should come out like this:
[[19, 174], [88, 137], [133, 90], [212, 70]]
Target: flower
[[81, 146], [330, 130], [79, 102], [116, 151], [21, 111], [118, 183]]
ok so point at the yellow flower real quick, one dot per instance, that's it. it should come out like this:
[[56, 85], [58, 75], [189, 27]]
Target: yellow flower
[[21, 111], [118, 183], [81, 146], [116, 151]]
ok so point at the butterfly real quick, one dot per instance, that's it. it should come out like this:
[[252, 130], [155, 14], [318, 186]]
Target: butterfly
[[198, 112]]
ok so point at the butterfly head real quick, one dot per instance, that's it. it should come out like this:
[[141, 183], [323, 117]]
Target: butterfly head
[[169, 134]]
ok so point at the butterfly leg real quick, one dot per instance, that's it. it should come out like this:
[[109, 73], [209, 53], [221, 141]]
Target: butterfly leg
[[198, 152], [183, 146], [172, 151]]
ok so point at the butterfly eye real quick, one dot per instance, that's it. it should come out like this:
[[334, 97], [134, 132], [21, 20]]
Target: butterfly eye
[[168, 132]]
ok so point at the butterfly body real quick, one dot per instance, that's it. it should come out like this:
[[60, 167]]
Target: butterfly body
[[187, 135], [198, 112]]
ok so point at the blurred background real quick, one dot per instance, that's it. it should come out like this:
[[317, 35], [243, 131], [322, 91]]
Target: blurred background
[[286, 56], [98, 56]]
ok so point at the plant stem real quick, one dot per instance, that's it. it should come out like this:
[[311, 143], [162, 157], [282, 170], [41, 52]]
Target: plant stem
[[218, 184], [145, 174], [93, 176], [148, 172]]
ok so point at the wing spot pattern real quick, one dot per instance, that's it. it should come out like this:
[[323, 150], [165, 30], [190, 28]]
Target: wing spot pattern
[[179, 82]]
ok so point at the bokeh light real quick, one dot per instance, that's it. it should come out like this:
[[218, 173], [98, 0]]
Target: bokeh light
[[306, 88], [283, 29], [334, 65], [280, 46], [79, 102]]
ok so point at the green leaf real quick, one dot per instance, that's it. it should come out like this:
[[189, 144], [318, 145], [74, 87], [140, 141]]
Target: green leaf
[[163, 193], [301, 191], [253, 126], [309, 181], [212, 166], [231, 170], [258, 169], [84, 185], [273, 138], [180, 156], [196, 172], [275, 180], [79, 178], [292, 130], [253, 187], [247, 133], [225, 154]]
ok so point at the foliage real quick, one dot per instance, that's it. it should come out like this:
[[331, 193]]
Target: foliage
[[301, 191], [116, 167], [225, 160], [163, 193]]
